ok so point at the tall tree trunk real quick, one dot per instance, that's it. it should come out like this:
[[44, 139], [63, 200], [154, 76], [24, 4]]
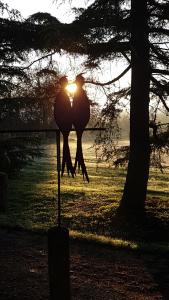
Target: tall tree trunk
[[135, 189]]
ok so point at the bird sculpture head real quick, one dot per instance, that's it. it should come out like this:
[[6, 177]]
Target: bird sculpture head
[[63, 81], [80, 81]]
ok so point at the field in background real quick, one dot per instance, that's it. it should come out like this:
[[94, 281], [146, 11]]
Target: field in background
[[86, 207]]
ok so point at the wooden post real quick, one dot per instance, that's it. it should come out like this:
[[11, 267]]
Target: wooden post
[[3, 191], [58, 263]]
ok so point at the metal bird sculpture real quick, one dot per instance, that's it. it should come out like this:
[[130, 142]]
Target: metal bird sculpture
[[63, 118], [80, 117]]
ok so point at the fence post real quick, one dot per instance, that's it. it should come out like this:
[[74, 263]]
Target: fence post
[[3, 191]]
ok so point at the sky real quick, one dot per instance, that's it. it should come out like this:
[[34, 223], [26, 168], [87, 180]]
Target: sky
[[54, 7]]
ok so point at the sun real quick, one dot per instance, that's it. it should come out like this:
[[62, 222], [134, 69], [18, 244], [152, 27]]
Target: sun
[[71, 88]]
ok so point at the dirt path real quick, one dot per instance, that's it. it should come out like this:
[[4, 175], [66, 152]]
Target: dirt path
[[96, 273]]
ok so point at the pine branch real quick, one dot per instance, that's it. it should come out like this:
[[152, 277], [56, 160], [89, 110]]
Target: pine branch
[[159, 30], [159, 71], [161, 56], [39, 59], [105, 48], [162, 87]]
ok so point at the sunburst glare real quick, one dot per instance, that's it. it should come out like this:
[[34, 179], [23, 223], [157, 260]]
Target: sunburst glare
[[71, 87]]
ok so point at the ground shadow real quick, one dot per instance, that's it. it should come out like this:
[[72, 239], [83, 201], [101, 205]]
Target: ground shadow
[[158, 268], [144, 228]]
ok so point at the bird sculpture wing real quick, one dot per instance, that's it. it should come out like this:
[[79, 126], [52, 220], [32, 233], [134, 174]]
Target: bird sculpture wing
[[63, 112], [81, 116], [63, 118]]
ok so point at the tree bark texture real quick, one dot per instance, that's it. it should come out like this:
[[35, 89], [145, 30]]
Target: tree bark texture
[[3, 192], [135, 189]]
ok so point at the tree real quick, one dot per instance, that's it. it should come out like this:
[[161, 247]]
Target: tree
[[21, 100], [138, 168]]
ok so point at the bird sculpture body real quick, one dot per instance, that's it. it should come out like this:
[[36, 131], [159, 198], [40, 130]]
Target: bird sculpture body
[[63, 119], [80, 117]]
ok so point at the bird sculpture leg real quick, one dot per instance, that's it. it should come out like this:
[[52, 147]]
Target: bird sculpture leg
[[66, 160], [79, 160]]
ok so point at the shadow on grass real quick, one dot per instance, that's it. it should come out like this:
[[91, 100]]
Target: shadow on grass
[[144, 228], [73, 196], [157, 193], [158, 268], [26, 200]]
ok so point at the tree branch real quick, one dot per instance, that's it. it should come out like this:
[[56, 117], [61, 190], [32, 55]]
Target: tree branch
[[111, 81], [126, 57], [159, 30], [163, 124], [39, 59], [158, 84], [105, 48], [158, 71]]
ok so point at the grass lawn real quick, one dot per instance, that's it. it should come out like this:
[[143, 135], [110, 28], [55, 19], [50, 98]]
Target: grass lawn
[[89, 208]]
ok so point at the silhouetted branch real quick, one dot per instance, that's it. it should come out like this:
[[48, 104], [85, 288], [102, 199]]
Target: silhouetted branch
[[39, 59], [104, 48], [162, 124], [111, 81], [127, 58], [159, 30], [158, 84], [159, 71]]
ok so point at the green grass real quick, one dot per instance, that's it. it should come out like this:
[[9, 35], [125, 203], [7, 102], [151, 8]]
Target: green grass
[[86, 207]]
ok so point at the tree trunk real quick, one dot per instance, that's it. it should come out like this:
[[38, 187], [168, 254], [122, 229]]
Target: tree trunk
[[135, 189], [3, 192]]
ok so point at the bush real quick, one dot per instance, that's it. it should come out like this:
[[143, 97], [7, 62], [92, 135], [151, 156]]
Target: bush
[[16, 152]]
